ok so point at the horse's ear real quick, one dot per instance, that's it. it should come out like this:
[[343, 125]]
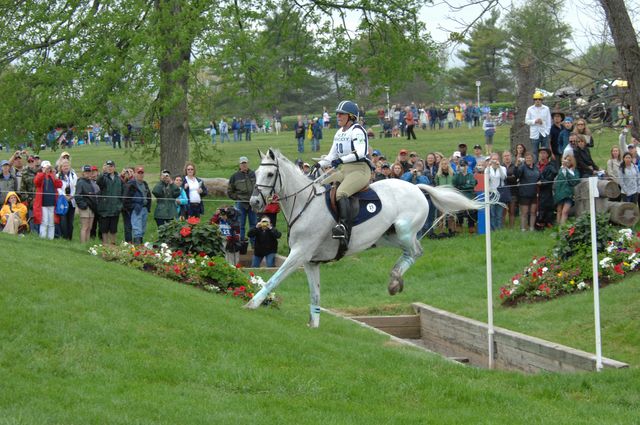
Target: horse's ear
[[271, 154], [260, 155]]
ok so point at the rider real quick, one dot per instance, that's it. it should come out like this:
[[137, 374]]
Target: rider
[[348, 156]]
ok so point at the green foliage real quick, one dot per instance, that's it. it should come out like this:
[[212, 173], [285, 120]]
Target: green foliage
[[192, 236], [575, 235]]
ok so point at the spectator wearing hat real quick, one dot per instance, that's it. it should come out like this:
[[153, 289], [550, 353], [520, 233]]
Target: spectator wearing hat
[[538, 118], [403, 160], [137, 200], [226, 218], [563, 137], [195, 189], [69, 179], [478, 156], [554, 135], [17, 166], [109, 202], [454, 162], [383, 173], [63, 155], [13, 215], [166, 193], [266, 243], [548, 173], [8, 181], [470, 159], [45, 201], [241, 185], [464, 181], [528, 176], [86, 199]]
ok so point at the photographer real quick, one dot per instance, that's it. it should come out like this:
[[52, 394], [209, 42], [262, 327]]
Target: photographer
[[266, 246], [227, 220]]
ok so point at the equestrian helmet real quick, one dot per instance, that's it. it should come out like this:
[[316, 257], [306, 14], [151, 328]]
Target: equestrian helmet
[[348, 107]]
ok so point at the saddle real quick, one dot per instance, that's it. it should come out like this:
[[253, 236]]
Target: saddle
[[364, 204]]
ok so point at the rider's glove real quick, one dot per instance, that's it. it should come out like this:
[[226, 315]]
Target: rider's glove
[[336, 162]]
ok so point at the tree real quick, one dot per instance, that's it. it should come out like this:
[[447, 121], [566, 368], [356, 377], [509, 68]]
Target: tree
[[483, 61], [138, 60], [626, 42], [536, 50]]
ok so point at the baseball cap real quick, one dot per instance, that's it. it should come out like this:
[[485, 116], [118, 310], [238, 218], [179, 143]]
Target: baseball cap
[[631, 146], [86, 168], [403, 151], [306, 164], [477, 147], [166, 172], [36, 156], [462, 145], [456, 154], [568, 119], [18, 155], [413, 154], [139, 169], [243, 159], [94, 168], [64, 154], [4, 162], [385, 165], [111, 163], [376, 152], [45, 164]]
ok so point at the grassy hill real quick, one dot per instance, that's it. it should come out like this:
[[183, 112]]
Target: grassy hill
[[85, 341]]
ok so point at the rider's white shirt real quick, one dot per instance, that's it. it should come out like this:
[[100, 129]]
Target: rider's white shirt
[[350, 145]]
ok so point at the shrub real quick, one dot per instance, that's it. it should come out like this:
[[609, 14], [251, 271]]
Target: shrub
[[574, 236], [192, 236]]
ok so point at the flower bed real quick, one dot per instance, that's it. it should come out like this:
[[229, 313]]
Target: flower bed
[[210, 273], [549, 277]]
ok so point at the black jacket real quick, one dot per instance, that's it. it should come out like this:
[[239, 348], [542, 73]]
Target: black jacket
[[86, 195], [133, 197], [266, 241]]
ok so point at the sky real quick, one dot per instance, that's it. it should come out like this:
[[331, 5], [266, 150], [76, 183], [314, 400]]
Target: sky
[[585, 17]]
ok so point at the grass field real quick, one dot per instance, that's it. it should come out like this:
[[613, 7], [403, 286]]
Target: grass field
[[89, 342]]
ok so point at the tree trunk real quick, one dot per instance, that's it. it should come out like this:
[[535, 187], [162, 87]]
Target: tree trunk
[[525, 78], [628, 50], [174, 89]]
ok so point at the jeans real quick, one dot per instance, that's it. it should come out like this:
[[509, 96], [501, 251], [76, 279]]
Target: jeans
[[235, 135], [246, 212], [223, 137], [270, 260], [301, 144], [315, 145], [213, 139], [495, 212], [47, 227], [139, 222], [536, 144], [247, 135]]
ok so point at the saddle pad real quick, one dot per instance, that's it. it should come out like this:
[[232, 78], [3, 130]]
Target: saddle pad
[[369, 202]]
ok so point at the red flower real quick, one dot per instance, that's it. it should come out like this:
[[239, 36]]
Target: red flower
[[202, 254], [618, 269], [572, 231], [242, 288], [211, 264], [185, 231], [238, 266], [252, 274], [176, 269], [136, 254], [193, 220]]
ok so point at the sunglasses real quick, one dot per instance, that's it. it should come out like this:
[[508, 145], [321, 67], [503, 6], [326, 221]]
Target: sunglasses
[[140, 172], [190, 169]]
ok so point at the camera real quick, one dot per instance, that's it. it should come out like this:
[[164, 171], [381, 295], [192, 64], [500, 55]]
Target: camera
[[223, 211]]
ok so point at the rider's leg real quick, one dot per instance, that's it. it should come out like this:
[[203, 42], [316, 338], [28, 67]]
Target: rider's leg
[[356, 176]]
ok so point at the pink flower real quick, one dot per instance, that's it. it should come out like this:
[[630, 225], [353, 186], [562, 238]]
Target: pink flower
[[193, 220], [185, 231]]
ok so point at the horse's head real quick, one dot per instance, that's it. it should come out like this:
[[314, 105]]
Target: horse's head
[[268, 181]]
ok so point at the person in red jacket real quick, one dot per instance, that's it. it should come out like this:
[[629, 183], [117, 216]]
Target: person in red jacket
[[47, 186]]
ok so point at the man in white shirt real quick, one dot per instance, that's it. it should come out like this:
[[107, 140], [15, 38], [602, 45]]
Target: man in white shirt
[[538, 118]]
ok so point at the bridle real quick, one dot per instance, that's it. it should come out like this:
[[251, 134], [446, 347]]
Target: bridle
[[273, 191]]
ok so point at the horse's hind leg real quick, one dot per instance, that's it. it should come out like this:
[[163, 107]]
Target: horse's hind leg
[[411, 250], [313, 277]]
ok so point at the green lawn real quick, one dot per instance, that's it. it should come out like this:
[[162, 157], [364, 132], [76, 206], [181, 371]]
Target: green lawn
[[84, 341]]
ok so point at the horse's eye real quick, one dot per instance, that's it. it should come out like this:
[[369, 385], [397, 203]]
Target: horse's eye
[[270, 175]]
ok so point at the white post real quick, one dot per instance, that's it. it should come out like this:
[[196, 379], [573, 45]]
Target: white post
[[478, 83], [593, 192], [487, 238]]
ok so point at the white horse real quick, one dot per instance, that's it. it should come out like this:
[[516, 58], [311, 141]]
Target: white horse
[[403, 213]]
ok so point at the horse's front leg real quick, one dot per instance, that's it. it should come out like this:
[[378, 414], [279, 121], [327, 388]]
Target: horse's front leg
[[313, 277], [295, 259]]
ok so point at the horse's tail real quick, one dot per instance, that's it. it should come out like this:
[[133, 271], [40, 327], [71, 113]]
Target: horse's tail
[[448, 199]]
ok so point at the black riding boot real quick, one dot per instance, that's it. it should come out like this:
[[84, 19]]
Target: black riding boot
[[343, 229]]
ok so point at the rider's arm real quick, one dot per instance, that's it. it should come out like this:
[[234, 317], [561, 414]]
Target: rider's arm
[[333, 154], [359, 141]]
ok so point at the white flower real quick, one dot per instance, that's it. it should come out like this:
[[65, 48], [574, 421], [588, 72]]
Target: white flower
[[164, 245], [148, 245], [93, 251], [545, 269], [632, 256], [167, 259], [605, 262], [516, 282], [582, 285], [534, 261], [257, 280], [158, 255], [191, 261], [610, 247]]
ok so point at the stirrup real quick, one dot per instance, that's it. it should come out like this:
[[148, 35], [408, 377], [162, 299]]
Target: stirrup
[[339, 232]]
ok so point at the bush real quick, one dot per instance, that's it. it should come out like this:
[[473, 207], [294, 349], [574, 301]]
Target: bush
[[192, 236], [574, 236]]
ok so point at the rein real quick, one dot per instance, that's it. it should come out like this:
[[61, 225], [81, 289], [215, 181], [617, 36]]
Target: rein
[[312, 194]]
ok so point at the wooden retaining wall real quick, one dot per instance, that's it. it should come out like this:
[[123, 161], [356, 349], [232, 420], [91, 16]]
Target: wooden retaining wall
[[457, 336]]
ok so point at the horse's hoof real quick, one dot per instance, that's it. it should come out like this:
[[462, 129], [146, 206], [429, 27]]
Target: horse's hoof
[[396, 285]]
